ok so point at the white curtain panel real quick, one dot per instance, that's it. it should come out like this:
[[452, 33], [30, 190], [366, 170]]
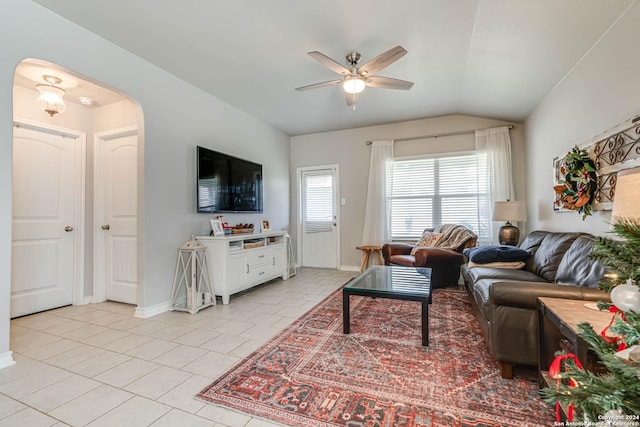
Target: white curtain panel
[[376, 219], [493, 146]]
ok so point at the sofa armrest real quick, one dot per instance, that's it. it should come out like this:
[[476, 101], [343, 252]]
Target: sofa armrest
[[438, 257], [390, 249], [525, 294]]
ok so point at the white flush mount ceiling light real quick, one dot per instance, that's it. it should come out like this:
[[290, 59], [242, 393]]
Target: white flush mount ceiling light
[[50, 99], [85, 100]]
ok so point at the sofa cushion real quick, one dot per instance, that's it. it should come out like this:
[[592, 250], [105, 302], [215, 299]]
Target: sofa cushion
[[547, 257], [496, 253], [576, 268], [531, 243], [472, 275], [405, 260]]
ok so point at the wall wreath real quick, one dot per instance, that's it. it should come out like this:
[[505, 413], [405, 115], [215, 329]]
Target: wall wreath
[[578, 182]]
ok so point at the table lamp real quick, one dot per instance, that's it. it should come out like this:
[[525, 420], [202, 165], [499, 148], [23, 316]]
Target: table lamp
[[626, 207], [509, 211], [626, 202]]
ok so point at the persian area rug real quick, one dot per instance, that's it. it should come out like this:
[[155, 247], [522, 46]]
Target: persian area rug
[[311, 374]]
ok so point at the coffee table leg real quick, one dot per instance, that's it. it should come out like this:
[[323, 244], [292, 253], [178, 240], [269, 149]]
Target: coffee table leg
[[425, 323], [345, 313]]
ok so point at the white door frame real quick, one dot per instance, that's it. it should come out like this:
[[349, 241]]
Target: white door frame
[[299, 172], [79, 177], [99, 245]]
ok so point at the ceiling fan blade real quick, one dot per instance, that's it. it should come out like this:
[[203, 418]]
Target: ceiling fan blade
[[330, 63], [382, 61], [388, 83], [351, 98], [317, 85]]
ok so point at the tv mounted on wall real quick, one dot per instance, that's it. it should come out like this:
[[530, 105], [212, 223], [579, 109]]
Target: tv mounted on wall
[[226, 183]]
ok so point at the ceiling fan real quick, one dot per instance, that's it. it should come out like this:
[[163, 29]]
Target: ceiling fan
[[355, 79]]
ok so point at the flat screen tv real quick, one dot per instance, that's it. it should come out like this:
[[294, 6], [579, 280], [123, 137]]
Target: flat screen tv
[[226, 183]]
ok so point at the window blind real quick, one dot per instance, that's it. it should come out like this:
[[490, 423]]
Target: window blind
[[318, 203], [427, 192]]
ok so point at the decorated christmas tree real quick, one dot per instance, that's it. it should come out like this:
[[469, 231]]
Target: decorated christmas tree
[[610, 397]]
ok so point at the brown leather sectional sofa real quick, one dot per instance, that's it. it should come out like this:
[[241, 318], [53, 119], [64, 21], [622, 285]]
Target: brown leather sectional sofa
[[505, 300]]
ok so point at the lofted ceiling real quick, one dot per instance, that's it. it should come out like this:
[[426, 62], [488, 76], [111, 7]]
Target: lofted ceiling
[[491, 58]]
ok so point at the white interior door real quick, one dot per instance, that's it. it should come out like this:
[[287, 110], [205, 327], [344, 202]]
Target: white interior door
[[319, 218], [47, 175], [116, 259]]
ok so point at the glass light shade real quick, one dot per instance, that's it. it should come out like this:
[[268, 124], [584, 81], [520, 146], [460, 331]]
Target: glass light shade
[[626, 202], [353, 85], [50, 99], [509, 211]]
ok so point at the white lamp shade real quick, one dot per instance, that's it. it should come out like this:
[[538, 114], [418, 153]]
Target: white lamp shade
[[626, 202], [353, 85], [509, 211]]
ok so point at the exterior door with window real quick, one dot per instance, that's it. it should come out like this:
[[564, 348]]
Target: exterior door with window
[[319, 218]]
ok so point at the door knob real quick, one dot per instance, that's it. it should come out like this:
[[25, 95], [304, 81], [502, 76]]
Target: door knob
[[106, 227], [68, 228]]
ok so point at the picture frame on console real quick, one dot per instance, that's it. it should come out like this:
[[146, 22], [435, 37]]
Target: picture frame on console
[[216, 227], [265, 226]]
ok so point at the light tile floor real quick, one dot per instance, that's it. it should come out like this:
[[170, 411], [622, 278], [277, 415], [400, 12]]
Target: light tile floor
[[98, 365]]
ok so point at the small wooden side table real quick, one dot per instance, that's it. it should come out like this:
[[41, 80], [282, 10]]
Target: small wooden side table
[[366, 252], [558, 325]]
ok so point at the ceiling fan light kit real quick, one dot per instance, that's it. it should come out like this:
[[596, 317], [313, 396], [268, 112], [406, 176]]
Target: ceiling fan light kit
[[353, 84], [355, 80]]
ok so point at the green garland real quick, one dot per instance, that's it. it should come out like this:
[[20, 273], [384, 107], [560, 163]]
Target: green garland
[[578, 189]]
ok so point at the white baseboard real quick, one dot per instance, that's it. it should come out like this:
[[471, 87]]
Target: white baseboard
[[6, 359], [349, 268], [154, 310]]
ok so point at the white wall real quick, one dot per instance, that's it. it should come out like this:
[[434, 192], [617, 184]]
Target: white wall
[[347, 148], [176, 119], [599, 93]]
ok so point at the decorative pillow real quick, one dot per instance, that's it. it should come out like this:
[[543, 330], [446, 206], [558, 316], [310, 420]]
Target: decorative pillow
[[496, 253], [428, 239]]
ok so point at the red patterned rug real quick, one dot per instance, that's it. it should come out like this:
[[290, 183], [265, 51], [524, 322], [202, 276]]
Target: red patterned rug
[[311, 374]]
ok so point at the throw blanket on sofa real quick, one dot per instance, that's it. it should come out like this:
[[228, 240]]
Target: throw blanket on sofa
[[455, 237]]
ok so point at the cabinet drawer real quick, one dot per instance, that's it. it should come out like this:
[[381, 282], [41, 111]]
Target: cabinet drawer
[[258, 273], [259, 257]]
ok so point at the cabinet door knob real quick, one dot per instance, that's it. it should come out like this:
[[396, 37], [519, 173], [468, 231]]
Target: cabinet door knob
[[105, 227], [68, 229]]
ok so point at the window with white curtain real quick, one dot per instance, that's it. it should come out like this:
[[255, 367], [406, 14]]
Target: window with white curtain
[[429, 191]]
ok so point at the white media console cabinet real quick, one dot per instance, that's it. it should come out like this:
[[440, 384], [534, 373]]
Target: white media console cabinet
[[241, 261]]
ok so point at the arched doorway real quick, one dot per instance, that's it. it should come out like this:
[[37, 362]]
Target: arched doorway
[[59, 179]]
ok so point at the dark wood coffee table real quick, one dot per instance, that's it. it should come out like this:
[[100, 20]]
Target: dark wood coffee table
[[392, 282]]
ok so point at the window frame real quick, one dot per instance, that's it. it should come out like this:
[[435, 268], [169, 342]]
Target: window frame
[[436, 197]]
